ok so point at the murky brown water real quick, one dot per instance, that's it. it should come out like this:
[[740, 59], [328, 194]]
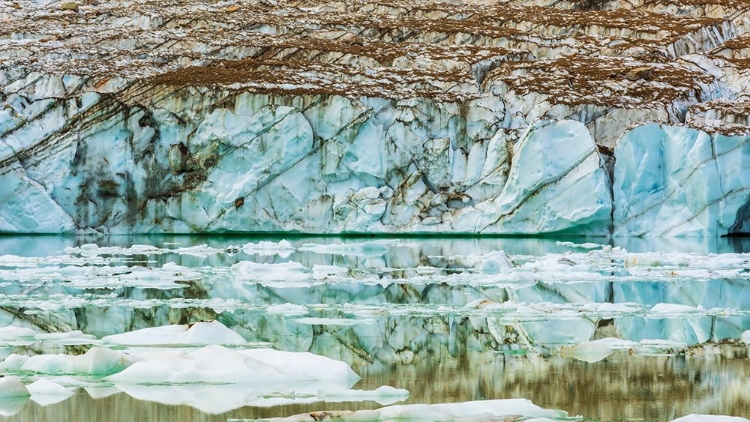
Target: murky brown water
[[621, 388]]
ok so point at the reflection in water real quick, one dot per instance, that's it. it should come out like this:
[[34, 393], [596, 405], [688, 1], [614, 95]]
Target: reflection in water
[[447, 319], [657, 388]]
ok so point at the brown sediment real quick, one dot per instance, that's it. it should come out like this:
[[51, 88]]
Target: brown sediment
[[571, 52]]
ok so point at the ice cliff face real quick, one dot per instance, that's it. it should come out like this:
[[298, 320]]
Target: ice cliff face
[[379, 117]]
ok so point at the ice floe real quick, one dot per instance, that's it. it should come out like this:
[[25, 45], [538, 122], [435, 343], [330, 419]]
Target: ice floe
[[473, 410], [710, 418], [201, 333], [185, 365]]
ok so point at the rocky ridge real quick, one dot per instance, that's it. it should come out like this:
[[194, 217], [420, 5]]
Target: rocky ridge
[[503, 117]]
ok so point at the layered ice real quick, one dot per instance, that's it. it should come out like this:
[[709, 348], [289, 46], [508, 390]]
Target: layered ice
[[254, 167], [676, 181]]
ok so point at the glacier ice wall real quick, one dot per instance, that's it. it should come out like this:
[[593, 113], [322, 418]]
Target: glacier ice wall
[[216, 161], [678, 181]]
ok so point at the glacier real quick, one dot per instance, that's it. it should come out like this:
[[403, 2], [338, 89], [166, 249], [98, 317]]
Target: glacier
[[282, 208], [261, 167], [624, 119]]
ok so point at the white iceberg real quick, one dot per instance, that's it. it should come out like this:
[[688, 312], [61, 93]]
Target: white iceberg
[[200, 333], [710, 418], [473, 410]]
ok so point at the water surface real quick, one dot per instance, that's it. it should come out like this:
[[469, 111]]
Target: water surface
[[440, 317]]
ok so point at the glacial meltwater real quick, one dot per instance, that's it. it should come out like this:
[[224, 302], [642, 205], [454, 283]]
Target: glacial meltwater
[[178, 328]]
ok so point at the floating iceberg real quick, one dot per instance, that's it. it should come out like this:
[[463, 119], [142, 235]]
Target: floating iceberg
[[474, 410], [201, 333], [710, 418], [184, 365]]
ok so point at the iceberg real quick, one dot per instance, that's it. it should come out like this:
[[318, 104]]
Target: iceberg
[[473, 410]]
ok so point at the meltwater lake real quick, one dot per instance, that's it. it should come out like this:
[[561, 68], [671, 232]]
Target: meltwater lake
[[135, 328]]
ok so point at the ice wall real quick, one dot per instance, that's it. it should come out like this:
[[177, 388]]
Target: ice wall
[[215, 161], [677, 181]]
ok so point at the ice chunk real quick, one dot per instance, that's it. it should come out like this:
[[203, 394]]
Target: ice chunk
[[710, 418], [495, 262], [288, 309], [283, 248], [12, 333], [284, 272], [494, 409], [97, 361], [384, 395], [363, 249], [589, 351], [334, 321], [200, 333], [217, 364]]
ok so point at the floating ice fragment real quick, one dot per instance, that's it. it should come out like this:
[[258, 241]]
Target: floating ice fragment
[[590, 351], [363, 250], [200, 333], [586, 245], [323, 271], [11, 333], [710, 418], [14, 361], [495, 262], [200, 251], [671, 309], [75, 337], [284, 249], [45, 386], [385, 395], [745, 337], [656, 260], [334, 321], [100, 392], [97, 361], [288, 309], [217, 364], [286, 272], [473, 410]]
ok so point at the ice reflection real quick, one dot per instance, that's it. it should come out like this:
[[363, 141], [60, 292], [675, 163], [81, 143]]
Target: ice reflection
[[658, 388]]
